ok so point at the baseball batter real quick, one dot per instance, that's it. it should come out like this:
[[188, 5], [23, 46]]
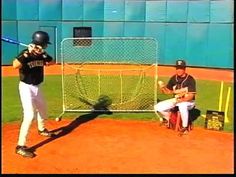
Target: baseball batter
[[183, 87], [30, 63]]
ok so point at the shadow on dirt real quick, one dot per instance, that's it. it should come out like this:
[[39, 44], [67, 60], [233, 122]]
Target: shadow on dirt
[[62, 131], [98, 109]]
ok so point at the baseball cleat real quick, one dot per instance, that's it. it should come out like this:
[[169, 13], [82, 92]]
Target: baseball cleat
[[183, 131], [165, 123], [45, 133], [23, 151]]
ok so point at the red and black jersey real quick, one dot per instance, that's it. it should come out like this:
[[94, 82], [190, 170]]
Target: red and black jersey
[[32, 70]]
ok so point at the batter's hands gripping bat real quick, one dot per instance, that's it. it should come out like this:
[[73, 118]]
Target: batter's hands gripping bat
[[35, 49]]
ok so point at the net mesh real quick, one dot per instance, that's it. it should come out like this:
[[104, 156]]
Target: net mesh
[[118, 74]]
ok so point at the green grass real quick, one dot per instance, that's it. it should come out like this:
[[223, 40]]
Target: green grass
[[138, 89], [207, 99]]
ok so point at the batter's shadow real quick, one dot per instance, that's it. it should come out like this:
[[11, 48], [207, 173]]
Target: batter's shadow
[[98, 109]]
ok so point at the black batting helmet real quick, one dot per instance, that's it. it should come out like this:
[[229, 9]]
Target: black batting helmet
[[40, 38]]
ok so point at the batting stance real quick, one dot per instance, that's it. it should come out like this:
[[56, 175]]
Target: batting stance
[[30, 63], [183, 87]]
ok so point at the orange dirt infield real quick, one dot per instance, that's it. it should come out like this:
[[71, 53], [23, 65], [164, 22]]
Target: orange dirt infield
[[91, 145]]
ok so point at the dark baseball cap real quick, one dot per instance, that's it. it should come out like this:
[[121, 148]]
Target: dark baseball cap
[[180, 64]]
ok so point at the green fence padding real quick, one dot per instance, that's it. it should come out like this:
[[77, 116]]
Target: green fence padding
[[220, 42], [197, 44], [97, 28], [27, 10], [114, 10], [50, 10], [134, 29], [175, 45], [113, 29], [177, 11], [156, 11], [135, 11], [199, 30], [199, 11], [93, 10], [9, 51], [72, 9], [67, 28], [157, 31], [222, 11], [8, 9]]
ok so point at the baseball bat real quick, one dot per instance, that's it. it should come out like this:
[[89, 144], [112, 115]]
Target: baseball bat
[[12, 41]]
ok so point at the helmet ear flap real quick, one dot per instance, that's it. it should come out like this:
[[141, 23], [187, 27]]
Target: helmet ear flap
[[40, 38]]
